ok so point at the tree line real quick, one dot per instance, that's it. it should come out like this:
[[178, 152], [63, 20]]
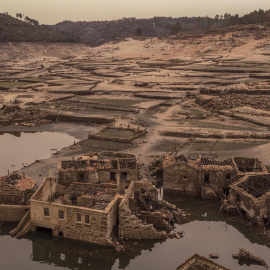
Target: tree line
[[20, 16]]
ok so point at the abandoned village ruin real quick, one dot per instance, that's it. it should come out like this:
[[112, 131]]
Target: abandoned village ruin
[[244, 183], [140, 152], [97, 198]]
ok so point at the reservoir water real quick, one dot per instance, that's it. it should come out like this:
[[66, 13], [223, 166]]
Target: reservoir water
[[19, 149], [207, 232]]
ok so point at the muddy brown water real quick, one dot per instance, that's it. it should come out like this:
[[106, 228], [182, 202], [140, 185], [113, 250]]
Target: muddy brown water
[[208, 231], [19, 149]]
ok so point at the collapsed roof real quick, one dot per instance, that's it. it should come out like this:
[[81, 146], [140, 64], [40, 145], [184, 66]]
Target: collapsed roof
[[18, 182]]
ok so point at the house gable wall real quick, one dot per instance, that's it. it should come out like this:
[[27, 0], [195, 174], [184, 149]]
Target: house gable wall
[[180, 178]]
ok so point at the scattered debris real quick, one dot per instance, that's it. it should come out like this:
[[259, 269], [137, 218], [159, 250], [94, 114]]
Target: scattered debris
[[199, 262], [214, 255], [248, 258]]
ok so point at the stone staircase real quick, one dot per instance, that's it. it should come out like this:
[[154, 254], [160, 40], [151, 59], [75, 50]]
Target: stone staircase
[[24, 226]]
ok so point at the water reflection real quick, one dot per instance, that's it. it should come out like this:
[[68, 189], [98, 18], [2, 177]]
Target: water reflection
[[209, 231], [208, 210], [15, 133], [78, 255]]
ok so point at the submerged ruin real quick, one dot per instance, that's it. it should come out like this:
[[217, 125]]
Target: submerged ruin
[[99, 167], [15, 193], [206, 178], [97, 207], [197, 262], [150, 101], [250, 197]]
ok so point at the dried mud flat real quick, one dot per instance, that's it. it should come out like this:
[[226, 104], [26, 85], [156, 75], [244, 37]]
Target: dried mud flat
[[200, 94]]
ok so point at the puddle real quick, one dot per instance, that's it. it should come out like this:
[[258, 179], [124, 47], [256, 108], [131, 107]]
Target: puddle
[[19, 149]]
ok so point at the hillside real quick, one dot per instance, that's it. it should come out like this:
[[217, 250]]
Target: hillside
[[12, 29], [96, 33], [99, 32]]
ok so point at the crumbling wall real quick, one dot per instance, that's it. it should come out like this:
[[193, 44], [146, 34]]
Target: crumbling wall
[[12, 213], [218, 181], [104, 176], [155, 218], [66, 177], [245, 165], [112, 217], [10, 195], [181, 179], [244, 201], [130, 227], [150, 190], [256, 209], [265, 206], [132, 175]]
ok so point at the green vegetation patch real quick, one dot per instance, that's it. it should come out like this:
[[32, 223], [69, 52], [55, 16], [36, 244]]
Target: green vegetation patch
[[117, 133], [94, 145], [106, 101], [9, 84], [222, 146], [212, 125], [195, 113], [165, 145], [204, 124], [33, 80]]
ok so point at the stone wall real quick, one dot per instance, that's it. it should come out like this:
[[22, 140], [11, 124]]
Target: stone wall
[[130, 227], [112, 217], [181, 179], [104, 176], [245, 202], [12, 213], [96, 231], [218, 180], [66, 177], [137, 133], [9, 195], [132, 175], [256, 209]]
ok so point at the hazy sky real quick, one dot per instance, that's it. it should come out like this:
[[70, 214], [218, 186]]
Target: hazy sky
[[54, 11]]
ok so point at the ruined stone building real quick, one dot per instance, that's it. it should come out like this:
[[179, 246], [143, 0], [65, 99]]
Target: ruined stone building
[[251, 197], [16, 189], [15, 193], [100, 213], [104, 167], [204, 177], [197, 262], [83, 211]]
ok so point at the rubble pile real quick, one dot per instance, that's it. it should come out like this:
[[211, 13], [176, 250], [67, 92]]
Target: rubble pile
[[10, 109], [161, 214], [156, 168], [230, 101], [249, 258], [13, 115], [18, 182]]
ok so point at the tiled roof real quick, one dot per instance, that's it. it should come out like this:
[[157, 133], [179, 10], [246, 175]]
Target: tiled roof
[[18, 182]]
